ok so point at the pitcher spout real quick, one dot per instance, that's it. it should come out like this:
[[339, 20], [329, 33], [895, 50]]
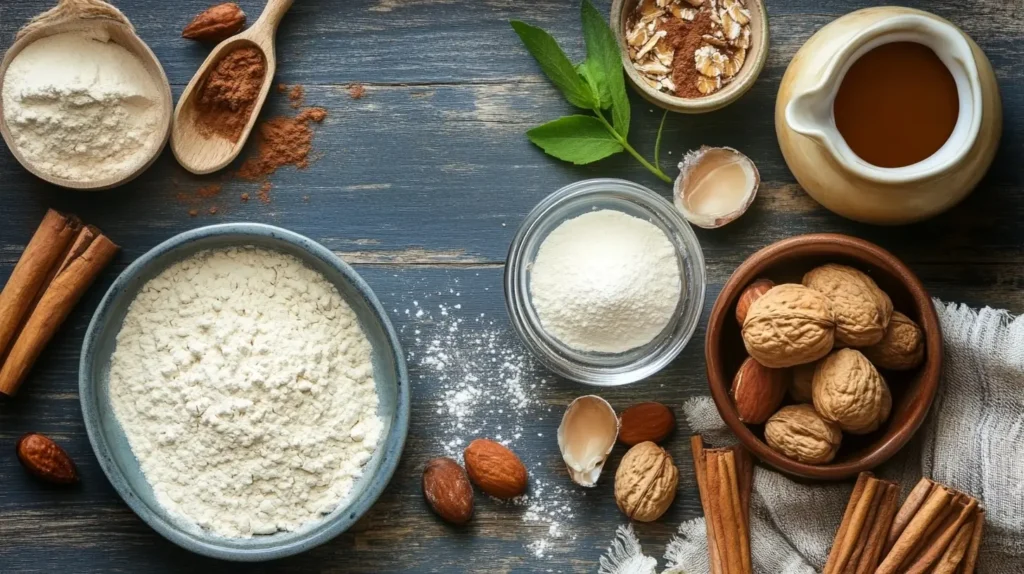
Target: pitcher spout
[[810, 114]]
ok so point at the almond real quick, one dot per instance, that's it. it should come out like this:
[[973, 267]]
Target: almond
[[758, 391], [448, 491], [644, 422], [46, 460], [217, 23], [495, 469], [752, 293]]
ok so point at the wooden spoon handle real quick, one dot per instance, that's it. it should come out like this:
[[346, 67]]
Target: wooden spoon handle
[[76, 10], [272, 15]]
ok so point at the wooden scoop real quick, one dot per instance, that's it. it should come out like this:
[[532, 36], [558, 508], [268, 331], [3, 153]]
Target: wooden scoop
[[88, 15], [202, 154]]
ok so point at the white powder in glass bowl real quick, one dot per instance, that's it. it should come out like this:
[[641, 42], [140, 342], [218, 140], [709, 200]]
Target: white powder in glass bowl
[[605, 282]]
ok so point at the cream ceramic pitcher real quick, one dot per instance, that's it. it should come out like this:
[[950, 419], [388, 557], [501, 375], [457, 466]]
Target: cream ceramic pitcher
[[832, 173]]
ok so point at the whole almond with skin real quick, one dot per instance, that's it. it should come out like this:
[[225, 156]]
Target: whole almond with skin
[[495, 469], [644, 422], [217, 23], [757, 391], [448, 491], [752, 293], [45, 460]]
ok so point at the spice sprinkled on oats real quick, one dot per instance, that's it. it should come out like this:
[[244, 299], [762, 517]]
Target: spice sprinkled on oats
[[688, 48]]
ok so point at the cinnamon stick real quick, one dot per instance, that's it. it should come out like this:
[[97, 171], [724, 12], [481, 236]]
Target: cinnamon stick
[[844, 524], [44, 251], [954, 553], [739, 519], [79, 267], [700, 471], [936, 546], [857, 510], [728, 558], [934, 506], [970, 561], [910, 507], [872, 553], [862, 539]]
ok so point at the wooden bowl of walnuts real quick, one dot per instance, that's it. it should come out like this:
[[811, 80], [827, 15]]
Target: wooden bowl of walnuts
[[823, 355]]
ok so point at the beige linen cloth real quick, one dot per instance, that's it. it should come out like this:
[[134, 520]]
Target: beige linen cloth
[[972, 440]]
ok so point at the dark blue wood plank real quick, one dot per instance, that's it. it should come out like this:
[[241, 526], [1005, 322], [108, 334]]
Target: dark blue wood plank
[[421, 184]]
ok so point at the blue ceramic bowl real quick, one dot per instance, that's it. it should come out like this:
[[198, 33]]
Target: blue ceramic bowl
[[111, 445]]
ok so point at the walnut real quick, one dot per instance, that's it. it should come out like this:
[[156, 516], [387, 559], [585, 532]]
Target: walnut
[[902, 347], [645, 482], [800, 433], [800, 380], [789, 325], [862, 309], [848, 391]]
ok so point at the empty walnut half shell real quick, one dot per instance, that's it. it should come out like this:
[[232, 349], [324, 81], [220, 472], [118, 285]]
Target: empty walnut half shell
[[586, 436], [715, 186]]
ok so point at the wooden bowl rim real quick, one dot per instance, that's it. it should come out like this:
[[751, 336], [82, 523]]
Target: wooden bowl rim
[[811, 244], [744, 81], [137, 48]]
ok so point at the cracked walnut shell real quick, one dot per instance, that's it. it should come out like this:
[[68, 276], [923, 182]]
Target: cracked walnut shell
[[849, 391], [800, 433], [645, 482], [862, 309], [789, 325], [902, 347]]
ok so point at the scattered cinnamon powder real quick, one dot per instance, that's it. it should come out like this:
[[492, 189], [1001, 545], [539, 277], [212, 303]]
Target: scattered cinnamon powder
[[245, 197], [208, 191], [356, 91], [228, 94], [687, 38], [297, 95], [282, 141], [264, 193], [193, 212]]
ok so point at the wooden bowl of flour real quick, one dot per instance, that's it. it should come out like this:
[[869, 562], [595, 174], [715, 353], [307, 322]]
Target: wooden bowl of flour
[[105, 23]]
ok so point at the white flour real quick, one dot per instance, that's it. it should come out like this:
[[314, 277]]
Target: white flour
[[487, 385], [605, 282], [245, 387], [80, 106]]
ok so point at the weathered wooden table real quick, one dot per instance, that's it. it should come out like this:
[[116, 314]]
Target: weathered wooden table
[[421, 184]]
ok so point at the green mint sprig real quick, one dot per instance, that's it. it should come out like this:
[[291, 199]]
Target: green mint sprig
[[595, 85]]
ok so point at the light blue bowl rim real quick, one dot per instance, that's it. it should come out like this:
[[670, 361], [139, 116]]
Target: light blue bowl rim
[[391, 445]]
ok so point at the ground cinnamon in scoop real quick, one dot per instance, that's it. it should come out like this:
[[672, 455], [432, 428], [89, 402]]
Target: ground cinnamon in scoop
[[229, 93]]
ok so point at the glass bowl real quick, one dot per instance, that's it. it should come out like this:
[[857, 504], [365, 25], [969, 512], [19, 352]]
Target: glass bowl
[[604, 369]]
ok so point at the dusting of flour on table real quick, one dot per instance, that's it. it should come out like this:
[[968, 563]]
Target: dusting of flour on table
[[605, 282], [486, 384], [81, 107], [244, 384]]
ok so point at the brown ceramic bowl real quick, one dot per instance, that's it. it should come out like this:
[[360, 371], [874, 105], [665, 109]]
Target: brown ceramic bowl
[[912, 391]]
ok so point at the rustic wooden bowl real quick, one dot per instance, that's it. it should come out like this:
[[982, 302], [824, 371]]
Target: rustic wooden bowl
[[76, 15], [785, 262], [757, 55]]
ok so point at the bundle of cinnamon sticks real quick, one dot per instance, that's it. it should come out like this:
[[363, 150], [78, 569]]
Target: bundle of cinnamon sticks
[[937, 530], [725, 478], [58, 265]]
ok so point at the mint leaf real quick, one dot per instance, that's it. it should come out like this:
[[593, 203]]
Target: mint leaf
[[579, 139], [604, 65], [554, 63], [603, 99]]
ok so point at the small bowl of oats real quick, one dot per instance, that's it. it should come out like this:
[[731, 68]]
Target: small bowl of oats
[[691, 56]]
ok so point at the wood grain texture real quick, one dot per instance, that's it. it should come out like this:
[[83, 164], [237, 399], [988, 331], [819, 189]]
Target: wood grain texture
[[421, 183]]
